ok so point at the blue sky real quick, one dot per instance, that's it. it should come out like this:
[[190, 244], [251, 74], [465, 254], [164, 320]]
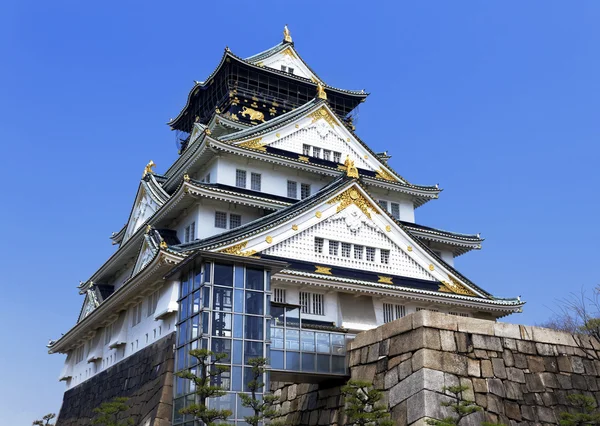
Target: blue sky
[[496, 101]]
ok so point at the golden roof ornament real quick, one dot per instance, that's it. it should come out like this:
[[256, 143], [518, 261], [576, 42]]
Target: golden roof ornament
[[287, 36], [321, 91], [148, 168], [163, 244], [186, 177], [148, 229], [351, 170]]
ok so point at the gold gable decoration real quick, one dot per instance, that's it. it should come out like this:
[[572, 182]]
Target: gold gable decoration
[[382, 174], [289, 52], [454, 286], [254, 144], [323, 113], [351, 170], [352, 196], [238, 250], [287, 36]]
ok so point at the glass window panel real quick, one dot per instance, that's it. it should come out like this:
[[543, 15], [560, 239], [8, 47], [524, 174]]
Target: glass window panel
[[292, 317], [277, 338], [198, 279], [308, 341], [222, 298], [180, 385], [237, 352], [221, 325], [292, 360], [254, 328], [184, 287], [195, 327], [338, 364], [277, 360], [222, 346], [222, 380], [323, 342], [239, 301], [255, 279], [181, 356], [254, 303], [178, 405], [239, 276], [207, 272], [196, 302], [238, 326], [292, 338], [205, 322], [308, 362], [183, 332], [223, 275], [225, 402], [184, 305], [248, 377], [205, 297], [277, 312], [252, 350], [245, 411], [236, 378], [323, 363]]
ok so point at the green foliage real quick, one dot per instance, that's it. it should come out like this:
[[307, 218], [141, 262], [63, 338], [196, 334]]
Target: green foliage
[[362, 406], [108, 412], [460, 407], [45, 420], [586, 415], [263, 408], [209, 370]]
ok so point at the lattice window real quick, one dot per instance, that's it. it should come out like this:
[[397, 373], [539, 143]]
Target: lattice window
[[319, 245], [306, 149], [292, 189], [79, 354], [385, 256], [240, 178], [107, 334], [136, 314], [235, 220], [316, 152], [304, 191], [370, 254], [312, 303], [346, 247], [279, 295], [426, 309], [396, 211], [392, 312], [327, 155], [460, 314], [190, 232], [152, 303], [221, 220], [334, 247], [383, 204], [255, 181], [337, 156], [358, 252]]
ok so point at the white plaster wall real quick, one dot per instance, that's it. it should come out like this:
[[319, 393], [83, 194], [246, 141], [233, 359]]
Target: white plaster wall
[[407, 208]]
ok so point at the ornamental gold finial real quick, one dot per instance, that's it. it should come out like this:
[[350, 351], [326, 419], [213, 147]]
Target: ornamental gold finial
[[148, 168], [351, 169], [287, 36], [163, 244], [321, 91], [148, 229], [186, 177]]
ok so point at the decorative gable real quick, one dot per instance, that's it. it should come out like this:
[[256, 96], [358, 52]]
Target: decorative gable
[[89, 304], [289, 58], [144, 207], [147, 253]]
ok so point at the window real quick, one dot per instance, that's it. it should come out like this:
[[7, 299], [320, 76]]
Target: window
[[385, 256], [358, 252], [190, 232], [334, 247], [240, 178], [327, 155], [207, 178], [221, 220], [337, 156], [152, 303], [316, 152], [318, 245], [292, 189], [235, 220], [255, 181], [283, 68], [312, 303], [306, 149], [426, 309], [393, 312], [346, 249], [304, 191], [396, 211], [79, 354], [136, 314], [459, 314], [107, 334], [290, 70], [370, 254], [383, 204], [279, 295]]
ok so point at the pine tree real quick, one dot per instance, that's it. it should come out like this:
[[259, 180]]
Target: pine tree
[[45, 420], [587, 415], [262, 407], [362, 406], [209, 370], [108, 413], [461, 408]]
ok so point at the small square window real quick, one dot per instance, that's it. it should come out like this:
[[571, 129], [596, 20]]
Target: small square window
[[385, 257], [292, 189], [235, 220], [240, 178], [327, 155], [290, 70], [337, 156], [358, 252], [383, 204], [255, 181], [396, 211], [370, 254], [221, 220], [279, 295], [334, 247], [346, 249], [306, 149], [283, 68], [316, 152], [318, 245], [304, 191]]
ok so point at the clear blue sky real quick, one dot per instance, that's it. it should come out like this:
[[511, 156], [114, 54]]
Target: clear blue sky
[[496, 101]]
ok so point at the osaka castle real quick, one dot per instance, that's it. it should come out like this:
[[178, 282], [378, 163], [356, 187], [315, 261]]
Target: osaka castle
[[277, 233]]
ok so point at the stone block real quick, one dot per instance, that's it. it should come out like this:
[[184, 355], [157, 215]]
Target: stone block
[[496, 387], [579, 382], [489, 343], [384, 347], [481, 400], [422, 379], [474, 419], [427, 358], [528, 413], [427, 404], [468, 394], [435, 320], [473, 368], [520, 360], [373, 353], [369, 337], [502, 329], [510, 344], [495, 404], [415, 340], [397, 327], [545, 349], [404, 369], [549, 399], [450, 380], [536, 364], [577, 364], [564, 364], [499, 368], [480, 385], [546, 415], [475, 326], [391, 378], [589, 367], [526, 347], [481, 354], [564, 381], [549, 380], [513, 390], [546, 335], [592, 384], [447, 341], [454, 363], [486, 368], [399, 413], [512, 411], [534, 383], [382, 365], [462, 342], [509, 359], [515, 375], [550, 364], [363, 372]]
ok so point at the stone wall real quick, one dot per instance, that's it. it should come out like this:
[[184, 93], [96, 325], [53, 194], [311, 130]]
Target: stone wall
[[146, 378], [518, 374]]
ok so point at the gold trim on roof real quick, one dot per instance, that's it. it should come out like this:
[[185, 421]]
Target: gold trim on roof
[[352, 196], [384, 280], [269, 239], [382, 174], [149, 168], [321, 92], [322, 270], [323, 113], [455, 287], [303, 158], [256, 144], [295, 227], [289, 52], [287, 36], [238, 250], [351, 170]]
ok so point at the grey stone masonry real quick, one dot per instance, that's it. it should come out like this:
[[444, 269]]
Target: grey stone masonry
[[519, 375], [146, 378]]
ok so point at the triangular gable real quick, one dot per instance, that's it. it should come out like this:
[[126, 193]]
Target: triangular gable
[[320, 128], [289, 58], [146, 204], [89, 304], [352, 216], [147, 253]]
